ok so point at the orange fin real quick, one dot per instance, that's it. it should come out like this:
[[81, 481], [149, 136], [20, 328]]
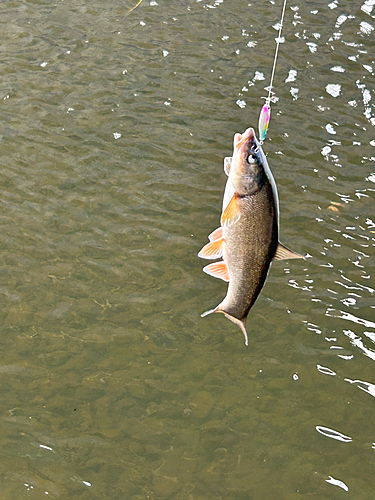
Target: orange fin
[[216, 235], [213, 250], [284, 253], [217, 270], [232, 212]]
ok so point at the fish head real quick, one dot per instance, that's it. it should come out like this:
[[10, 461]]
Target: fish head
[[247, 172]]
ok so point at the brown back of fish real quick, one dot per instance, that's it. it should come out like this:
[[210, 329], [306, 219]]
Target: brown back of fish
[[250, 246]]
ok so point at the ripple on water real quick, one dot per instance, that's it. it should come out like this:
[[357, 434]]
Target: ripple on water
[[112, 177], [331, 433]]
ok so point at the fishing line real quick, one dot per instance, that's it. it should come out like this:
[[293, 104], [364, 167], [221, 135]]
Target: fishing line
[[133, 8], [265, 113]]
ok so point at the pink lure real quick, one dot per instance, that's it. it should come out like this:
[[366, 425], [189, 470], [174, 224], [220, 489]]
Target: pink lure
[[264, 120]]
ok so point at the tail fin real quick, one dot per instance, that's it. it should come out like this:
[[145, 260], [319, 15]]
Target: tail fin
[[209, 312], [240, 322]]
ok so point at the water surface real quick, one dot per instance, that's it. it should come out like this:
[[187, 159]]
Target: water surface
[[113, 133]]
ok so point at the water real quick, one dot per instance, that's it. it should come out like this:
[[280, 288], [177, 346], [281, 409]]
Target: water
[[113, 135]]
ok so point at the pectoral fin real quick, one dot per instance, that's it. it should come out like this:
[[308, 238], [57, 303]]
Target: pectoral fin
[[216, 235], [284, 253], [232, 212], [227, 164], [217, 270], [213, 250]]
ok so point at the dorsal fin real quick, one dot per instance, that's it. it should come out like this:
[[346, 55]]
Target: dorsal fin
[[217, 270], [284, 253], [213, 250], [232, 212]]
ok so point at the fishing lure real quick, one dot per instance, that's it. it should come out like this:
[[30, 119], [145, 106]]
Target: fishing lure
[[264, 120]]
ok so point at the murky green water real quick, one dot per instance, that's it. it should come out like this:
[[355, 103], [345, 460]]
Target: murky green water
[[113, 134]]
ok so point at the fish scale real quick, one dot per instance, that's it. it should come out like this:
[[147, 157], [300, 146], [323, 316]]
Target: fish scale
[[250, 246]]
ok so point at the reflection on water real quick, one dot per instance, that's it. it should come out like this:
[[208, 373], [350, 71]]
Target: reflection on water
[[114, 130], [337, 482], [325, 370], [333, 434], [365, 386]]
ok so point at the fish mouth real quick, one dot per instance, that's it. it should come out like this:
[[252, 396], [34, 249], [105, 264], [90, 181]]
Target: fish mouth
[[246, 137], [247, 145]]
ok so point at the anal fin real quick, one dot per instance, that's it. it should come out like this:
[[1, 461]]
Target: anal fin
[[217, 270], [284, 253]]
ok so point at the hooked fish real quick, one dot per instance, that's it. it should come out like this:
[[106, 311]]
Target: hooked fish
[[247, 239]]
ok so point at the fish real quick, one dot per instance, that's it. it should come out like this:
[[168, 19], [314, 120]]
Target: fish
[[247, 239]]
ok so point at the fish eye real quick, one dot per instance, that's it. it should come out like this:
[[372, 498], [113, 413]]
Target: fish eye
[[252, 159]]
